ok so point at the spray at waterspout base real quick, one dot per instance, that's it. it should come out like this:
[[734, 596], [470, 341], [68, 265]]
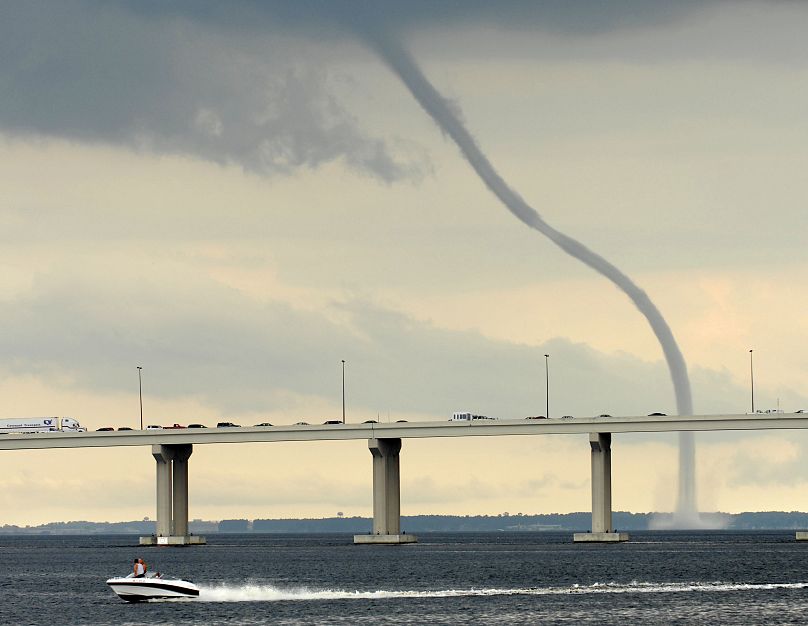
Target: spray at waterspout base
[[687, 516], [687, 513]]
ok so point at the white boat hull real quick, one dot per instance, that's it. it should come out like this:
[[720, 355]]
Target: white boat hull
[[141, 589]]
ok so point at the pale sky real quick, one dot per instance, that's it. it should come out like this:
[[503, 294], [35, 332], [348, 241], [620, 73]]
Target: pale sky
[[238, 196]]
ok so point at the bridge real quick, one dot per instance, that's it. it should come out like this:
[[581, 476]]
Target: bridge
[[172, 448]]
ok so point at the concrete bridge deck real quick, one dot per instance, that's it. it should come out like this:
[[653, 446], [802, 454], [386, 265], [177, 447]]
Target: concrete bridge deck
[[409, 430]]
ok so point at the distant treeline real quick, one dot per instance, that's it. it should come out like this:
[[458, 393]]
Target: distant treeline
[[772, 520]]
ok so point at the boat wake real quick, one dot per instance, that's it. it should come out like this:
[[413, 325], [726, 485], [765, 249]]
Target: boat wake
[[270, 593]]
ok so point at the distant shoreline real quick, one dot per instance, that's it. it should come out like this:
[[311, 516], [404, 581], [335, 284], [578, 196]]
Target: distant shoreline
[[767, 520]]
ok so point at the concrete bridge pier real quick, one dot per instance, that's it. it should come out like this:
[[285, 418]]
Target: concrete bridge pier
[[602, 529], [172, 497], [386, 495]]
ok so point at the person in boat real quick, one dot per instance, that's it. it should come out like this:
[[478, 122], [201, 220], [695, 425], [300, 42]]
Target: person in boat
[[139, 568]]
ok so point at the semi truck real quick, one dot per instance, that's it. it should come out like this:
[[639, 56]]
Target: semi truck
[[40, 425], [463, 416]]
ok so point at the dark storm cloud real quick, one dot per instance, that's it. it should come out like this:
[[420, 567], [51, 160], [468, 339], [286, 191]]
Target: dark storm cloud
[[339, 17], [92, 72], [235, 82]]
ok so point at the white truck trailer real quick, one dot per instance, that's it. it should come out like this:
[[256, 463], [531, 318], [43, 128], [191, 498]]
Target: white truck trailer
[[463, 416], [40, 425]]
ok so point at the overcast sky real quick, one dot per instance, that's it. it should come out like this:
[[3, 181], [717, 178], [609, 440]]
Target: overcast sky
[[238, 196]]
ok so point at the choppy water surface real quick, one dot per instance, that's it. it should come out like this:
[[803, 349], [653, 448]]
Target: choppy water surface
[[514, 578]]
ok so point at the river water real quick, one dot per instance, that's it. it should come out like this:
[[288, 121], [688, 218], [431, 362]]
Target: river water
[[460, 578]]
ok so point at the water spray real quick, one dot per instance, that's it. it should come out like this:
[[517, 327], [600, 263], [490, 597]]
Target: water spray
[[256, 592]]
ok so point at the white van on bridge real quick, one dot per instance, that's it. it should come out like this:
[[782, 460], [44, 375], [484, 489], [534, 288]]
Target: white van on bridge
[[468, 417]]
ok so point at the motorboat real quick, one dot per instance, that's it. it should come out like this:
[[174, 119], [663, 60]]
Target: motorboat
[[152, 586]]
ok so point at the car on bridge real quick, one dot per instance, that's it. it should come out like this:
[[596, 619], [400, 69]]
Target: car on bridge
[[104, 429], [196, 426], [657, 415], [536, 417], [262, 424], [331, 422], [227, 425], [301, 424], [154, 427]]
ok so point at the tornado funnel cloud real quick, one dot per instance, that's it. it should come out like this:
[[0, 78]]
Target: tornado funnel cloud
[[399, 60]]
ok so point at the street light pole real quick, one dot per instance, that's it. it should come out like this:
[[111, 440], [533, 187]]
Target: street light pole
[[547, 384], [752, 379], [343, 391], [140, 394]]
